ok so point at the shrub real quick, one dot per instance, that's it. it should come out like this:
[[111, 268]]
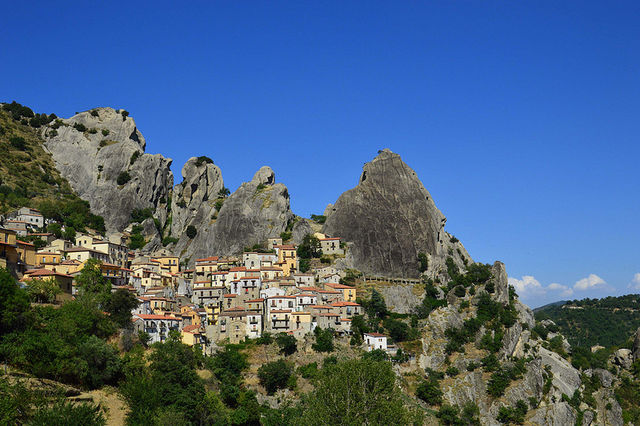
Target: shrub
[[123, 178], [93, 130], [191, 232], [105, 132], [318, 218], [124, 114], [203, 160], [275, 375], [18, 142], [224, 192], [94, 113], [452, 371], [459, 291], [429, 391], [264, 339], [309, 371], [286, 236], [134, 157], [324, 340], [398, 330], [139, 215], [423, 262], [218, 204], [169, 240], [80, 127], [513, 414], [287, 343]]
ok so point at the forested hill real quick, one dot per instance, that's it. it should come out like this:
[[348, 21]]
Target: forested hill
[[607, 322]]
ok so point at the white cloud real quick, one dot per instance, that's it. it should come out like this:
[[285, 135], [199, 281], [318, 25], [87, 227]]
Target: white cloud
[[565, 291], [527, 286], [635, 282], [591, 282]]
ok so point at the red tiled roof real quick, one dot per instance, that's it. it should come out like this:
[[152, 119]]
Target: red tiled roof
[[375, 334], [340, 286], [230, 295], [157, 317], [46, 273], [193, 329], [24, 243], [211, 258]]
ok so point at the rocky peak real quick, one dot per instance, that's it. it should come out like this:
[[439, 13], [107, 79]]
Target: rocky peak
[[389, 217], [264, 176], [101, 153]]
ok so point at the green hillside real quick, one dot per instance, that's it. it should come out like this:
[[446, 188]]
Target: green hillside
[[607, 322], [28, 176]]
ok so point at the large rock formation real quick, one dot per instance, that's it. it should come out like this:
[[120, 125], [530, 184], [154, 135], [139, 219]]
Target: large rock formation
[[92, 159], [389, 217], [259, 209]]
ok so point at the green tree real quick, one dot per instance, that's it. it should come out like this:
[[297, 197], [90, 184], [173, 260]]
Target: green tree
[[69, 233], [91, 282], [119, 305], [429, 391], [14, 303], [324, 340], [356, 392], [44, 290], [287, 343], [55, 229], [309, 247], [275, 375], [191, 232], [376, 306]]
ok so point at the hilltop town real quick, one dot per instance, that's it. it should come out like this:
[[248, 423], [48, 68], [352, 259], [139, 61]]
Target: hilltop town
[[221, 299]]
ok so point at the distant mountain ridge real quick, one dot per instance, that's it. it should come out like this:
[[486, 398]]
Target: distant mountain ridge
[[608, 321]]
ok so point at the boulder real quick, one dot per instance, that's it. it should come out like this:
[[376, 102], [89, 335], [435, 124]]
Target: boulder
[[606, 378], [566, 379], [623, 358]]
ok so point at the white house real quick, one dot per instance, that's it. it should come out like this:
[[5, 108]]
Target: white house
[[31, 216], [375, 341], [158, 326]]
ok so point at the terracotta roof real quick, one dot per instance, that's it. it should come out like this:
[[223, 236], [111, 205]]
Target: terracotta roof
[[338, 304], [193, 329], [46, 273], [211, 258], [341, 286], [24, 243], [254, 301], [230, 295], [157, 317], [329, 239], [375, 334], [280, 311]]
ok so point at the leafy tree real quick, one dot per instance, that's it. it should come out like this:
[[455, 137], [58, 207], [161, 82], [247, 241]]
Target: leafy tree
[[376, 355], [134, 157], [287, 343], [55, 229], [309, 248], [14, 303], [139, 215], [324, 340], [191, 232], [119, 306], [429, 391], [224, 192], [43, 290], [398, 330], [69, 233], [356, 392], [275, 375], [91, 282], [376, 306]]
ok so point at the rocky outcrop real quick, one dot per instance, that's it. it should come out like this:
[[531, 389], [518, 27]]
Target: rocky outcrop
[[194, 203], [501, 282], [635, 351], [389, 217], [623, 358], [400, 298], [259, 209], [103, 145]]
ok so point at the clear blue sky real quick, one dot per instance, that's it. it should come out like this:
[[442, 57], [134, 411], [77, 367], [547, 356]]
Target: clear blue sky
[[521, 118]]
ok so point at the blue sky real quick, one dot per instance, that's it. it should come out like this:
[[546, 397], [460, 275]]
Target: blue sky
[[521, 118]]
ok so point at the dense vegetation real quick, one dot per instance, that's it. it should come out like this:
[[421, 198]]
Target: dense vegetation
[[607, 322]]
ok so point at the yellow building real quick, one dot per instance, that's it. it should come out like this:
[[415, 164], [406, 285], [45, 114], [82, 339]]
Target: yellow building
[[287, 259], [193, 335], [48, 259], [8, 249], [349, 293], [172, 263], [27, 253], [64, 281]]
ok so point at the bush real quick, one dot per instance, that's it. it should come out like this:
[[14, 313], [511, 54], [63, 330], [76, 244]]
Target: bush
[[18, 142], [429, 391], [309, 371], [398, 330], [139, 215], [219, 203], [124, 114], [286, 236], [80, 127], [191, 232], [286, 343], [123, 178], [513, 414], [203, 160], [318, 218], [275, 375], [324, 340], [134, 157], [423, 262]]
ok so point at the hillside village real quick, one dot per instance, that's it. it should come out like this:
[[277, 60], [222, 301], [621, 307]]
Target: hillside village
[[221, 299]]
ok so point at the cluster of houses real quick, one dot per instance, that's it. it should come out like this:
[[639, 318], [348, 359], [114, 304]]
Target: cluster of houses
[[220, 299]]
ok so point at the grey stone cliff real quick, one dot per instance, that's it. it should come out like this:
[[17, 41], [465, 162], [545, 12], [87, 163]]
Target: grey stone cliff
[[92, 161], [389, 217]]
